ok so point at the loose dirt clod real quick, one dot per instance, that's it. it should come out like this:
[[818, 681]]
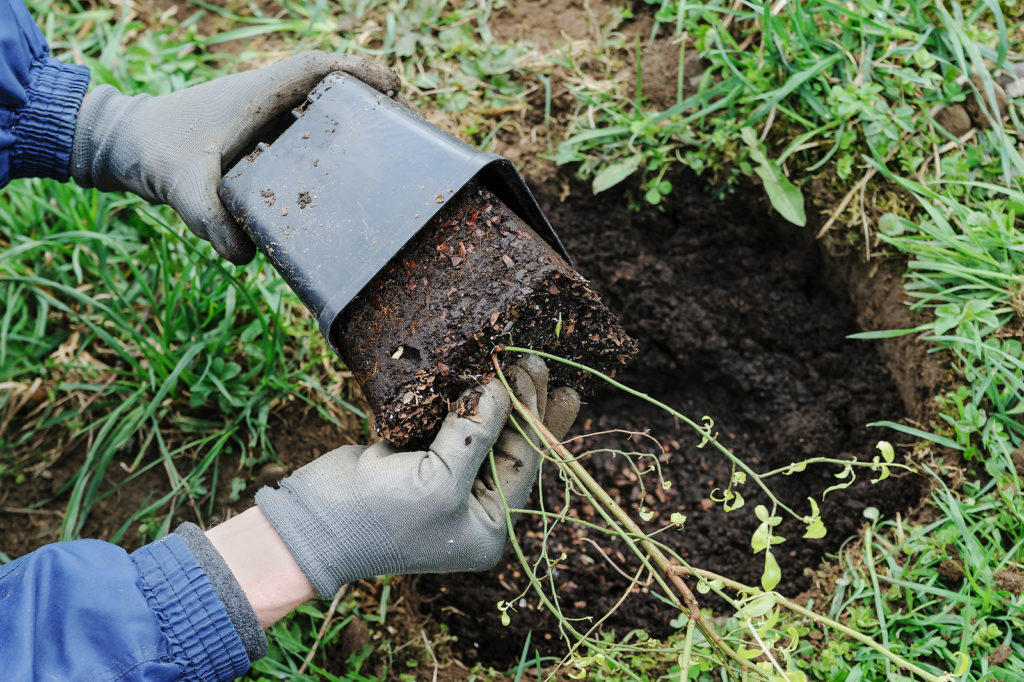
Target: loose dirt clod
[[954, 119], [952, 571], [1000, 655], [474, 278], [1010, 580], [979, 108], [1018, 460]]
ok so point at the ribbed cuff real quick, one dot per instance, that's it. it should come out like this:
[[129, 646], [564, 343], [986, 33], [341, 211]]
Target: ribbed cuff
[[242, 615], [190, 613], [331, 552], [44, 128]]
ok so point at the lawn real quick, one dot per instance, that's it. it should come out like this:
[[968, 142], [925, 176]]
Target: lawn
[[806, 213]]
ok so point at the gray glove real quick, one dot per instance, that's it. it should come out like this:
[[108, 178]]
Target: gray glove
[[358, 512], [175, 148]]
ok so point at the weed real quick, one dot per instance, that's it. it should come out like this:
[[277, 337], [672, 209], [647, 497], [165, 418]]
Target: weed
[[754, 632]]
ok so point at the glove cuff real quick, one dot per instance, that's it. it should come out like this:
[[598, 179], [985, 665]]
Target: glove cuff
[[98, 130], [321, 552], [349, 546]]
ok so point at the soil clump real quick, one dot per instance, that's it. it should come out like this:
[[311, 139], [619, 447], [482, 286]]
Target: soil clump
[[475, 277]]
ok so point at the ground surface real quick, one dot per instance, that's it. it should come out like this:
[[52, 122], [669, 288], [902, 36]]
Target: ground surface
[[735, 321]]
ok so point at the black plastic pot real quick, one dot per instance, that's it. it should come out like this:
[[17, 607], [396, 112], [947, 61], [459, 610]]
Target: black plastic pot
[[349, 183]]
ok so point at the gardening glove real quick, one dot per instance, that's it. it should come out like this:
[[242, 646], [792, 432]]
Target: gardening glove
[[174, 149], [362, 511]]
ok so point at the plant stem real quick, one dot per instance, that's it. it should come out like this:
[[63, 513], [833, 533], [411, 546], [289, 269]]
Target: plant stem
[[879, 611], [684, 666], [824, 620], [510, 526], [601, 495], [791, 468], [704, 433]]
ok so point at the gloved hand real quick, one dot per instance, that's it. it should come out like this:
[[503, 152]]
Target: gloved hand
[[358, 512], [175, 148]]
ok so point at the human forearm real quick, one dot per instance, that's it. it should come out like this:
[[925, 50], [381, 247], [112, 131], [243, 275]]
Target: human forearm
[[89, 610]]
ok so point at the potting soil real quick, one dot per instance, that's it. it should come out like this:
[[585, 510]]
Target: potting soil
[[474, 278]]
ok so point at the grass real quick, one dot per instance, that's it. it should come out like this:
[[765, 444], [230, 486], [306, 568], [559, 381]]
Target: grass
[[127, 345], [824, 106], [848, 97], [134, 350]]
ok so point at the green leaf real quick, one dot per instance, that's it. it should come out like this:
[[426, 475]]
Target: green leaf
[[846, 473], [406, 46], [772, 574], [784, 196], [815, 529], [759, 540], [963, 664], [882, 476], [918, 433], [814, 507], [758, 606], [885, 447], [733, 501], [892, 225], [231, 370], [708, 424], [609, 176], [704, 586], [238, 486], [795, 468], [887, 333]]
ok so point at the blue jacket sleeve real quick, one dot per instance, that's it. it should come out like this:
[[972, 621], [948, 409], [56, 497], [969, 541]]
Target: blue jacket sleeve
[[39, 100], [88, 610]]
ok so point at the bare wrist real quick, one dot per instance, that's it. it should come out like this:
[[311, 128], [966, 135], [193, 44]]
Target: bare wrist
[[262, 564]]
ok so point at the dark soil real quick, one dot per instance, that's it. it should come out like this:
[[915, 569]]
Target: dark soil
[[734, 321], [475, 277]]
